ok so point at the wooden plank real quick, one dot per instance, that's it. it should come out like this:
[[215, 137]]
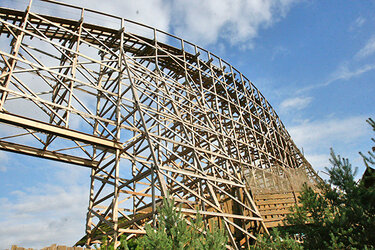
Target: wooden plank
[[24, 122], [222, 214], [274, 218], [276, 212], [132, 231], [267, 208], [275, 196], [274, 202], [21, 149], [273, 224]]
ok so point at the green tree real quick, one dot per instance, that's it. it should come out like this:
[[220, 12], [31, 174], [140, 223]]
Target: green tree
[[131, 244], [173, 232], [276, 241], [342, 214]]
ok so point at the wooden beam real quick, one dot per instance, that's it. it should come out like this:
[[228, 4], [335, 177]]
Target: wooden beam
[[236, 216], [62, 132], [36, 152]]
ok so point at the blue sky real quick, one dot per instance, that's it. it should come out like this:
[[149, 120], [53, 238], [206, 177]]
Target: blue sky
[[313, 60]]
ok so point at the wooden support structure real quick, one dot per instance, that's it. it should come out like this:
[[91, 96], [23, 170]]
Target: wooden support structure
[[151, 114]]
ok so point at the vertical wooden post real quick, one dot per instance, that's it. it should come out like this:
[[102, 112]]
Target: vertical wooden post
[[153, 196], [74, 69], [16, 44]]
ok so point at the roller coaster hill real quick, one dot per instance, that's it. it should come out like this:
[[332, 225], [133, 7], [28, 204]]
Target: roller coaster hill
[[150, 114]]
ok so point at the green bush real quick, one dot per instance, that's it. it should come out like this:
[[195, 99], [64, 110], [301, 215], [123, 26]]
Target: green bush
[[276, 241], [173, 232]]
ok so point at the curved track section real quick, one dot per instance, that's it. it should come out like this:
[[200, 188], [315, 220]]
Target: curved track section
[[150, 114]]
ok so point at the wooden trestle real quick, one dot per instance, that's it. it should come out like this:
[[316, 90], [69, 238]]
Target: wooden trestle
[[151, 114]]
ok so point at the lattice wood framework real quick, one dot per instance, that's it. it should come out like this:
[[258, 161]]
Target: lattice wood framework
[[150, 114]]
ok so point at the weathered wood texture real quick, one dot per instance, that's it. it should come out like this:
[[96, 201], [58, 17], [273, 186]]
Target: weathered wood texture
[[274, 207], [150, 114]]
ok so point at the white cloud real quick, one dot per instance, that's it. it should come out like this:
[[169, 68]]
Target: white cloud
[[150, 12], [343, 72], [324, 132], [319, 162], [154, 13], [205, 22], [322, 161], [296, 103], [358, 23], [14, 4], [45, 214], [347, 136], [367, 50], [3, 161]]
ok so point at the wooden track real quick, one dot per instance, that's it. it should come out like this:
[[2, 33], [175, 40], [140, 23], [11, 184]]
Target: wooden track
[[150, 118]]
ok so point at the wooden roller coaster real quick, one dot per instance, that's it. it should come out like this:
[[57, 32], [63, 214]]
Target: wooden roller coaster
[[152, 115]]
